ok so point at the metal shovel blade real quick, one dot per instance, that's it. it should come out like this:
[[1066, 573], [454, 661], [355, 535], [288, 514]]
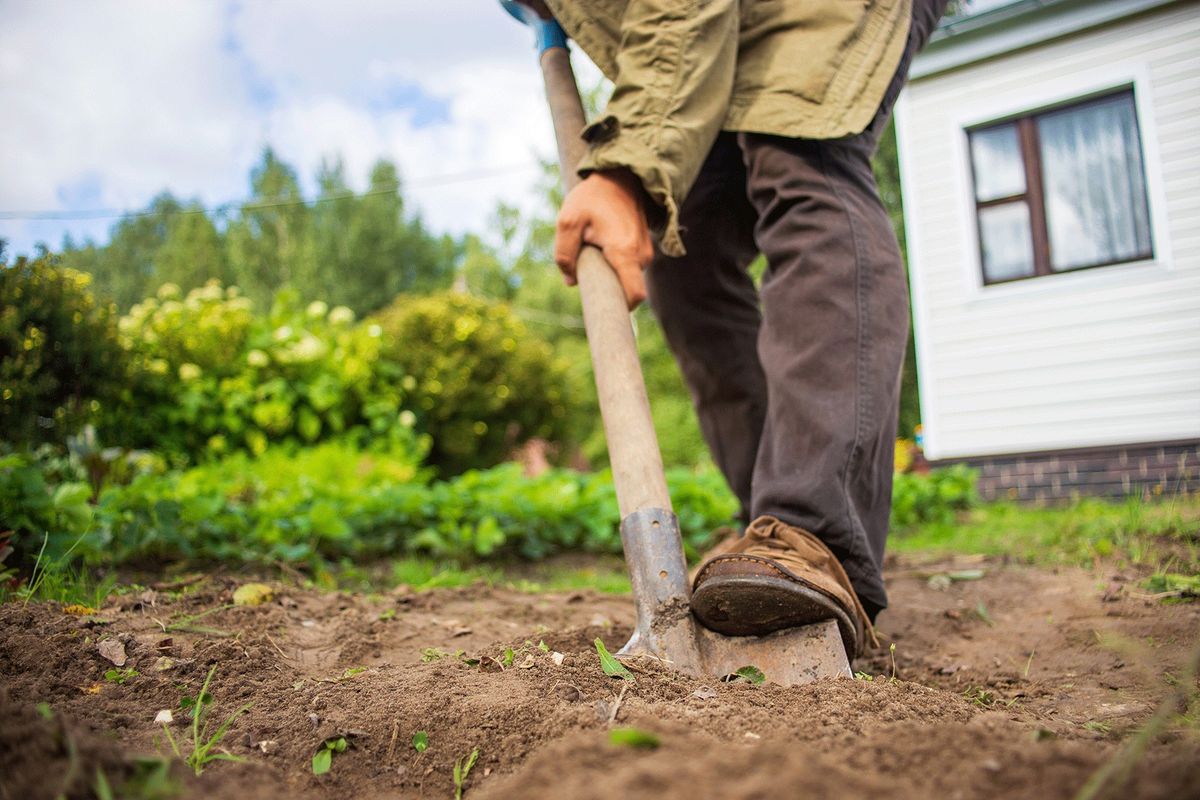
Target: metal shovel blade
[[789, 657], [667, 631]]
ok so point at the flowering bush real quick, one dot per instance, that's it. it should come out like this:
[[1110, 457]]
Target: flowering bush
[[483, 384], [59, 357], [210, 376]]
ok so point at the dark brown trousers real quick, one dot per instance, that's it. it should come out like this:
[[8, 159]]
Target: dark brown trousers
[[797, 385]]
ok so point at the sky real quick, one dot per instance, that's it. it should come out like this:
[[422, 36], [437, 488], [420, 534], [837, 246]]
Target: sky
[[108, 102]]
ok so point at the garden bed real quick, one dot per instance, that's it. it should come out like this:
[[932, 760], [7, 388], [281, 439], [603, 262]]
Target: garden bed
[[1004, 681]]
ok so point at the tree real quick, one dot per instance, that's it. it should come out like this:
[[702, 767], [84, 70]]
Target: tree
[[887, 175], [368, 250], [124, 269], [271, 243]]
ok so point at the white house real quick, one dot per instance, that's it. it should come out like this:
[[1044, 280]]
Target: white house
[[1050, 162]]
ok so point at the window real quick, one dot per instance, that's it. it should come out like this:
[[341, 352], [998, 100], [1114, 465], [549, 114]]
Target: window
[[1061, 190]]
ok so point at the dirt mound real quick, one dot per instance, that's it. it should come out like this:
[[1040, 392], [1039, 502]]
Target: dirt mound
[[1016, 684]]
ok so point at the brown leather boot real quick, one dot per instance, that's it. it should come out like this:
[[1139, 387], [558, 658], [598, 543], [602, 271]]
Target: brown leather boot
[[773, 577]]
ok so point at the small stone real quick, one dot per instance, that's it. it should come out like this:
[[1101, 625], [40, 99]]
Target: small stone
[[114, 651]]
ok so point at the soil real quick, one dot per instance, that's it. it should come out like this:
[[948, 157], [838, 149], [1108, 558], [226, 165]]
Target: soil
[[1019, 683]]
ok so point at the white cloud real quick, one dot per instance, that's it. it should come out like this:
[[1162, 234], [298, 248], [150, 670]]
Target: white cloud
[[108, 103]]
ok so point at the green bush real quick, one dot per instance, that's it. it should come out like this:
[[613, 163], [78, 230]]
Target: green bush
[[211, 377], [935, 497], [38, 510], [334, 501], [59, 357], [484, 384]]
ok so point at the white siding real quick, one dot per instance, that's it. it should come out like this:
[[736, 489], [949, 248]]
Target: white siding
[[1101, 356]]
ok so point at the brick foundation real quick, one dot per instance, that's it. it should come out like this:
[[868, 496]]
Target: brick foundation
[[1145, 470]]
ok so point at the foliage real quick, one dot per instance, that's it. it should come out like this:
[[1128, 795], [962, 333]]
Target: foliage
[[204, 746], [1157, 534], [37, 511], [462, 768], [483, 384], [209, 376], [335, 501], [635, 738], [59, 357], [358, 250], [934, 497], [609, 664], [287, 505], [886, 165], [322, 760]]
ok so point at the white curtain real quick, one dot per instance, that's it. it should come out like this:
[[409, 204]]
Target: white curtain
[[1095, 187]]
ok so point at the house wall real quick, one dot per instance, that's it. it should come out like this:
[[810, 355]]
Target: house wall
[[1100, 357], [1163, 469]]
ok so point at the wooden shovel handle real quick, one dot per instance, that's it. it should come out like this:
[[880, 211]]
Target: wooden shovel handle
[[632, 444]]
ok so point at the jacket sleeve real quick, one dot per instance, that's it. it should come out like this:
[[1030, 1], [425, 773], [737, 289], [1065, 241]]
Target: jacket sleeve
[[675, 68]]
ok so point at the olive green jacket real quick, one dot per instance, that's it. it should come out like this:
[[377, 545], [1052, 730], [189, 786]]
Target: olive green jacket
[[684, 70]]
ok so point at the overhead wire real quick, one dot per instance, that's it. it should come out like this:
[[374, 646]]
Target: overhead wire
[[431, 181]]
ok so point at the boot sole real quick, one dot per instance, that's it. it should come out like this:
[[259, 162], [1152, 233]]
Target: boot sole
[[755, 605]]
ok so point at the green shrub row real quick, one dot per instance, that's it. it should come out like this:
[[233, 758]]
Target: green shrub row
[[335, 501]]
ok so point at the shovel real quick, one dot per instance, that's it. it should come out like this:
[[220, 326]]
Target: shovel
[[665, 628]]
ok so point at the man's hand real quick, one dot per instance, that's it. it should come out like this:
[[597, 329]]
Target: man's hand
[[606, 210]]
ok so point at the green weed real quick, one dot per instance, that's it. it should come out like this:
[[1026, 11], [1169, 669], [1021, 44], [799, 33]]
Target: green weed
[[119, 676], [204, 746], [420, 741], [322, 760], [980, 696], [462, 768], [633, 737], [610, 665], [748, 674]]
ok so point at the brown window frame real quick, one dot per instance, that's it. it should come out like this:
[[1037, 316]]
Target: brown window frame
[[1034, 194]]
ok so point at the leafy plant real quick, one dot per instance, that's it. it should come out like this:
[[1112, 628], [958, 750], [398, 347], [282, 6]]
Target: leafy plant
[[119, 676], [40, 512], [935, 497], [150, 780], [462, 768], [204, 746], [420, 741], [748, 674], [191, 705], [322, 760], [610, 665], [635, 738]]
